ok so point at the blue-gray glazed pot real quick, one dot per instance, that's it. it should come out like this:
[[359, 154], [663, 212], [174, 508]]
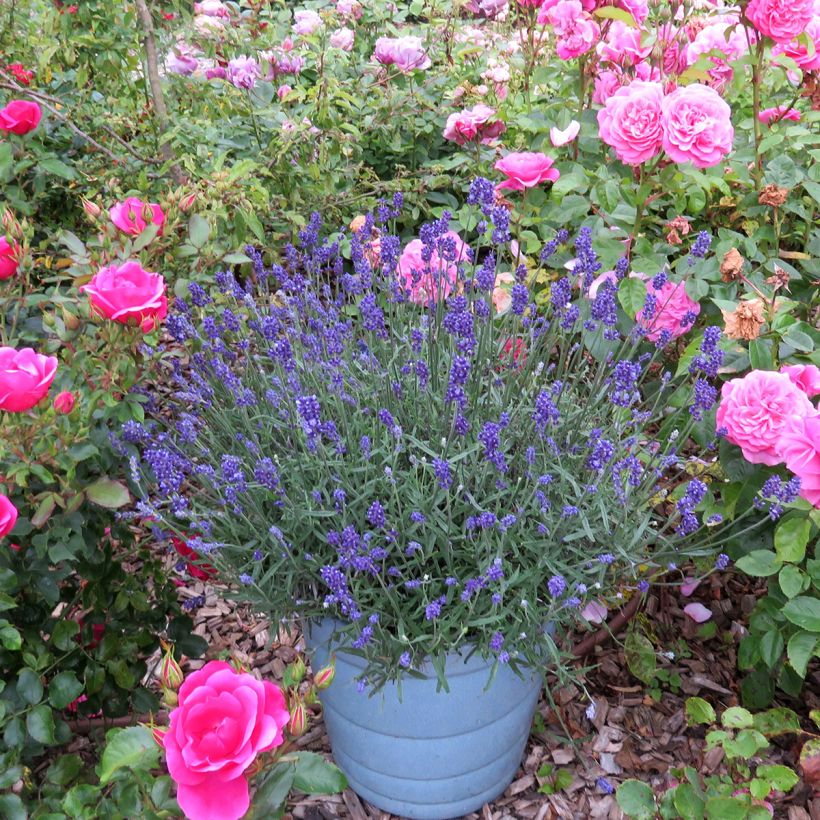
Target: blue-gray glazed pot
[[431, 755]]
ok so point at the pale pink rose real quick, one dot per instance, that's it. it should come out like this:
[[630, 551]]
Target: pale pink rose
[[64, 402], [697, 126], [622, 45], [559, 137], [212, 8], [525, 169], [697, 612], [349, 8], [754, 410], [476, 124], [243, 72], [25, 377], [491, 9], [674, 312], [129, 216], [181, 62], [406, 53], [805, 376], [782, 20], [283, 91], [208, 26], [9, 258], [343, 38], [224, 720], [781, 112], [8, 516], [575, 31], [728, 38], [806, 57], [430, 281], [129, 295], [502, 296], [799, 447], [306, 22], [630, 121], [594, 612]]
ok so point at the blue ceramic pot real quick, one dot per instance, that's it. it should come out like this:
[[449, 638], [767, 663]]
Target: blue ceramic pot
[[431, 755]]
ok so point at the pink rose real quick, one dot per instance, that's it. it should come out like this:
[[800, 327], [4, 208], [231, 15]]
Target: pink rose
[[502, 296], [726, 37], [128, 294], [181, 60], [9, 262], [781, 112], [623, 46], [525, 169], [212, 8], [754, 410], [342, 38], [478, 124], [64, 402], [559, 137], [129, 216], [806, 58], [306, 21], [243, 72], [782, 20], [428, 282], [8, 516], [674, 312], [20, 117], [224, 720], [349, 8], [805, 376], [25, 377], [697, 126], [606, 84], [799, 447], [283, 91], [406, 53], [630, 121], [575, 30]]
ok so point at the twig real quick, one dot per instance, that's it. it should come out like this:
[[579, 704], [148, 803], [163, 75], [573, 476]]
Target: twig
[[82, 726], [617, 623]]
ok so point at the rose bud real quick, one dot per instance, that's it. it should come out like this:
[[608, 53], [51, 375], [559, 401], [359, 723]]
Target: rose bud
[[158, 733], [324, 677], [170, 672], [64, 402], [169, 697], [297, 671], [187, 202], [92, 210], [298, 719]]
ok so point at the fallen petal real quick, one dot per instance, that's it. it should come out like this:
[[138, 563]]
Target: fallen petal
[[697, 612]]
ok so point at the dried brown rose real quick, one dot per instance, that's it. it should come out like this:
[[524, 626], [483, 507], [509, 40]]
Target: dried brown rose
[[732, 265], [677, 228], [744, 321], [773, 195], [780, 279]]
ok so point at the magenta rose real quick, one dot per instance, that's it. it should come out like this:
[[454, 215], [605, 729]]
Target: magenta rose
[[697, 125], [782, 20], [129, 216], [806, 53], [129, 295], [406, 53], [630, 121], [64, 402], [242, 72], [223, 721], [576, 31], [20, 116], [753, 411], [805, 376], [8, 258], [25, 377], [781, 112], [8, 516], [799, 447], [476, 124], [525, 169], [673, 314], [426, 282]]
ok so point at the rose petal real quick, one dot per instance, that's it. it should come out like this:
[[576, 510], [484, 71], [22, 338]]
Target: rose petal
[[697, 612]]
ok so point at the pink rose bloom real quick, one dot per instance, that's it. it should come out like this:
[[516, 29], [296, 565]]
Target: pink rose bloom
[[753, 410], [64, 402], [349, 8], [212, 8], [216, 72], [502, 296], [606, 84], [799, 447], [525, 169], [726, 37], [243, 72], [476, 124], [697, 126], [622, 45], [129, 295], [406, 53], [25, 377], [8, 258], [224, 720], [805, 376], [559, 137], [306, 21], [129, 216], [8, 516], [781, 112], [630, 121], [575, 30], [799, 51], [491, 9], [342, 38], [20, 117], [429, 282], [673, 315], [283, 91], [208, 26], [180, 60], [782, 20]]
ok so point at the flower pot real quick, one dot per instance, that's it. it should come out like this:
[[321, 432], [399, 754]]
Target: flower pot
[[431, 755]]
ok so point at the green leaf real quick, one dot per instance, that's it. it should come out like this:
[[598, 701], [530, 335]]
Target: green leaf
[[44, 510], [10, 638], [273, 791], [759, 563], [688, 802], [699, 710], [745, 744], [40, 724], [790, 539], [804, 611], [29, 686], [615, 13], [63, 689], [799, 651], [736, 717], [726, 808], [52, 165], [781, 778], [315, 775], [636, 799], [792, 580], [108, 493], [631, 291], [640, 656], [64, 633], [199, 231], [131, 748], [777, 721], [12, 808], [64, 769], [771, 648]]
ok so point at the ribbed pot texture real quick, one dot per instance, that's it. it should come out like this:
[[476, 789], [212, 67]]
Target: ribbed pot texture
[[431, 755]]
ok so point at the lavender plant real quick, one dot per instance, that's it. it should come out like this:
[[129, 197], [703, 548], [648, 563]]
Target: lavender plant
[[343, 442]]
